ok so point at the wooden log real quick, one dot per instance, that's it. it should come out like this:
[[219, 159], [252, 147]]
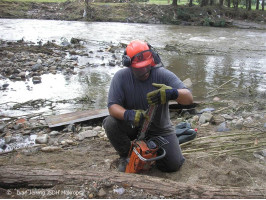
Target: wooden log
[[26, 177]]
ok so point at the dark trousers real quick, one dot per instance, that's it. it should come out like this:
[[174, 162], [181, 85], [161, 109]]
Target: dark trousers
[[120, 135]]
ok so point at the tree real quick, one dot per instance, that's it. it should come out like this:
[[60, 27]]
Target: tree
[[228, 3], [190, 3], [249, 4], [221, 2], [257, 4], [174, 3], [262, 5]]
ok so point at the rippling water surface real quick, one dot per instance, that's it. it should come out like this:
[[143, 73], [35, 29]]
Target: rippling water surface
[[208, 56]]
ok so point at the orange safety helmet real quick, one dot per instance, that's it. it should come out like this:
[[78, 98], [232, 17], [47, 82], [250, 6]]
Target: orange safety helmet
[[140, 54]]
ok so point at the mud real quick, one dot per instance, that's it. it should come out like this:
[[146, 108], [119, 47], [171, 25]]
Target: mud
[[226, 159]]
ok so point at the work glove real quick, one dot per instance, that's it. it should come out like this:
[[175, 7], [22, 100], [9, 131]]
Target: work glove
[[161, 95], [134, 118]]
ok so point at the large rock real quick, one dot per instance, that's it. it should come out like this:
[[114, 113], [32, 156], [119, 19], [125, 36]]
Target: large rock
[[41, 139], [87, 134], [205, 117]]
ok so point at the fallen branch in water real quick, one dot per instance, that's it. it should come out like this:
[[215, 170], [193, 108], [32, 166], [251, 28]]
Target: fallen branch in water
[[221, 86]]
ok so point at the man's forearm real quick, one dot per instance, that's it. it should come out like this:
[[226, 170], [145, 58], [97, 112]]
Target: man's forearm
[[117, 111], [184, 97]]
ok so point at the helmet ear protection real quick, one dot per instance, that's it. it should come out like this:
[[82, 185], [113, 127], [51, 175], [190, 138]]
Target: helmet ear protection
[[126, 60]]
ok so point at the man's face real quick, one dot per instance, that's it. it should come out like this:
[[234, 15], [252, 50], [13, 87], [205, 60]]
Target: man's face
[[141, 73]]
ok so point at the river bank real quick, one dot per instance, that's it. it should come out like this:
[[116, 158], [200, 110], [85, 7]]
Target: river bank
[[227, 155], [136, 13]]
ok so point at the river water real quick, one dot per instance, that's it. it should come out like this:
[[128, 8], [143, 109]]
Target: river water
[[208, 56]]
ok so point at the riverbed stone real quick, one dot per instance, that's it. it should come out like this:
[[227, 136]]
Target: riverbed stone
[[227, 117], [42, 139], [101, 193], [36, 79], [2, 127], [8, 138], [54, 133], [97, 128], [50, 149], [36, 67], [223, 127], [86, 134], [188, 83], [239, 123], [217, 119], [205, 117], [22, 74]]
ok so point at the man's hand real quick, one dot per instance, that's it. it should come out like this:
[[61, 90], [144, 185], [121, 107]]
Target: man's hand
[[162, 95], [134, 117]]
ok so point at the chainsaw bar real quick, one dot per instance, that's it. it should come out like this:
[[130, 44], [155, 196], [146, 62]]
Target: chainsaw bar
[[146, 124]]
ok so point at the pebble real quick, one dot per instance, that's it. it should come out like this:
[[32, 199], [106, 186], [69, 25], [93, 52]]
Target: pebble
[[223, 127], [216, 99], [217, 119], [36, 79], [54, 133], [119, 191], [227, 117], [206, 110], [50, 149], [2, 127], [239, 123], [101, 193]]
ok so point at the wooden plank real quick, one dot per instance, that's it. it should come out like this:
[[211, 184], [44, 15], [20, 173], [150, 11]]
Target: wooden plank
[[79, 116]]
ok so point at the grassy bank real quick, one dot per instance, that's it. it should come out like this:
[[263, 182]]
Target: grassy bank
[[127, 12]]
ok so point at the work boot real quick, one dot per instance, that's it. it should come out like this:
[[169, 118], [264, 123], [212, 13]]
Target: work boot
[[122, 164]]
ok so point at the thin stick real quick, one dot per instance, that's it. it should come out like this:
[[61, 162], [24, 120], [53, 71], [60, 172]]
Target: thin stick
[[221, 86]]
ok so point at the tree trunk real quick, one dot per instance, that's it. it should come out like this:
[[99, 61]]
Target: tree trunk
[[236, 4], [249, 4], [174, 3], [26, 177], [229, 2], [190, 3], [262, 5], [221, 3], [257, 4]]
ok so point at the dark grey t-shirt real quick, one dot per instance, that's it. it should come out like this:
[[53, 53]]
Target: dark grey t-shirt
[[130, 93]]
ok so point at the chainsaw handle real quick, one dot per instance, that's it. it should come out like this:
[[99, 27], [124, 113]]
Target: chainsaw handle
[[150, 159]]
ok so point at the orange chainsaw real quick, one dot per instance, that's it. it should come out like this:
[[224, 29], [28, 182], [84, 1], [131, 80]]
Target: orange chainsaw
[[143, 153]]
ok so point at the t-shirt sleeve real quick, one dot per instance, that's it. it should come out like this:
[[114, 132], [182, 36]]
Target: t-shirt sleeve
[[116, 95]]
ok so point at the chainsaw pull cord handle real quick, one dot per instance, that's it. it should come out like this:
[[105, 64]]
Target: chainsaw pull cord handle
[[150, 159]]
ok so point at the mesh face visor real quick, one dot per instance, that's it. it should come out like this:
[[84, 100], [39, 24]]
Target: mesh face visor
[[141, 72], [142, 59]]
